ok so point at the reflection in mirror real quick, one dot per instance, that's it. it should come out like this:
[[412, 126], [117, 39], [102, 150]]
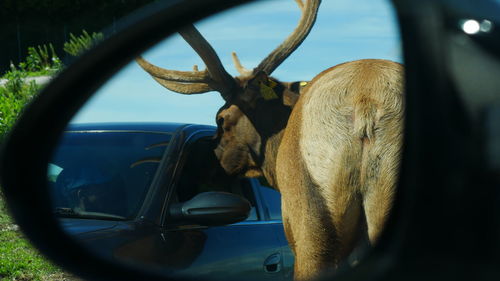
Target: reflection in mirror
[[139, 177]]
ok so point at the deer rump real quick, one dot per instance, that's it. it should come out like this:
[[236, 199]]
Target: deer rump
[[337, 165], [331, 147]]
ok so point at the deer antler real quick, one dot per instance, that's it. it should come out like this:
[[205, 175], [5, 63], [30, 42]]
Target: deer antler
[[242, 70], [183, 82], [194, 76], [221, 80], [276, 57], [215, 77], [184, 88]]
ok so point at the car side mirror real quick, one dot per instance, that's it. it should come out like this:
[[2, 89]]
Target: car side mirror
[[212, 209]]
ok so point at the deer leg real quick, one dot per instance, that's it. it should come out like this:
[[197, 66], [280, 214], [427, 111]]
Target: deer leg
[[377, 206], [346, 216], [344, 203], [322, 229], [310, 234], [288, 231], [381, 169]]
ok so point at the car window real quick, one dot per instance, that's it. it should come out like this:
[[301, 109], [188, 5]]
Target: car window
[[272, 200], [353, 32], [201, 172], [104, 173]]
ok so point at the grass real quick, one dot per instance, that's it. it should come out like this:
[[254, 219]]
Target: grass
[[19, 260], [40, 73], [5, 219], [14, 96]]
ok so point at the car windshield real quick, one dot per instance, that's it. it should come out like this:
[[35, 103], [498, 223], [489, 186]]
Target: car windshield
[[104, 174]]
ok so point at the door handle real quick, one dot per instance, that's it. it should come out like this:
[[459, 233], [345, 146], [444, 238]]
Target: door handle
[[273, 263]]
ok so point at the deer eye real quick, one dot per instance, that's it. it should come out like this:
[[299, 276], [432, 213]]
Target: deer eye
[[220, 121]]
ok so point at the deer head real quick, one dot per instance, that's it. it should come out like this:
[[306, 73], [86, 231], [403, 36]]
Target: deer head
[[257, 106]]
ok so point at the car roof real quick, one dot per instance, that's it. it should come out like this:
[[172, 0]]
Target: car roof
[[137, 126]]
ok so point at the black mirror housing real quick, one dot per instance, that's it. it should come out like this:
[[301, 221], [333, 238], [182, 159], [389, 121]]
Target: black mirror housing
[[212, 209], [47, 116]]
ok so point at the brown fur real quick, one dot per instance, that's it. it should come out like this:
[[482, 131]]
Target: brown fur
[[332, 151], [334, 158], [362, 186]]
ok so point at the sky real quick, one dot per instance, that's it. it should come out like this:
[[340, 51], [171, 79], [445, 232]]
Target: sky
[[344, 31]]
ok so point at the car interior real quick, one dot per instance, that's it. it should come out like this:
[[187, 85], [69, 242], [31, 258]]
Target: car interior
[[95, 175], [201, 172]]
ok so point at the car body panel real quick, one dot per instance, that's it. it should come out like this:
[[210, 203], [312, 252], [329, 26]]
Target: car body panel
[[255, 248]]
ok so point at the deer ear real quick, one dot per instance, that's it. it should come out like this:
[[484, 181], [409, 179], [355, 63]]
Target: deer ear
[[265, 85], [297, 87], [260, 76], [259, 86], [292, 92]]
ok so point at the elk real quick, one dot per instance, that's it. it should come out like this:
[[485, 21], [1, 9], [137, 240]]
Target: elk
[[331, 148]]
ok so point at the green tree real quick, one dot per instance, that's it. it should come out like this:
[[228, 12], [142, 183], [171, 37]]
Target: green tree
[[14, 96], [80, 44]]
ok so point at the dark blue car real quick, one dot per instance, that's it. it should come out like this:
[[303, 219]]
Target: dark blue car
[[154, 194]]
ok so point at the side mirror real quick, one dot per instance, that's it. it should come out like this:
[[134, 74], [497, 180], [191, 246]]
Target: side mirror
[[212, 209], [48, 115]]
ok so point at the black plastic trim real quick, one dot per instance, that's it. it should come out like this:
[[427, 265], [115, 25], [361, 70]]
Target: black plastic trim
[[35, 134]]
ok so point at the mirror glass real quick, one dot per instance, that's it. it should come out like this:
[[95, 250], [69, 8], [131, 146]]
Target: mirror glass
[[135, 177]]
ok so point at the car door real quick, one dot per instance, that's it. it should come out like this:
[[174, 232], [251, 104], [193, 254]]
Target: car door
[[271, 201], [252, 249]]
